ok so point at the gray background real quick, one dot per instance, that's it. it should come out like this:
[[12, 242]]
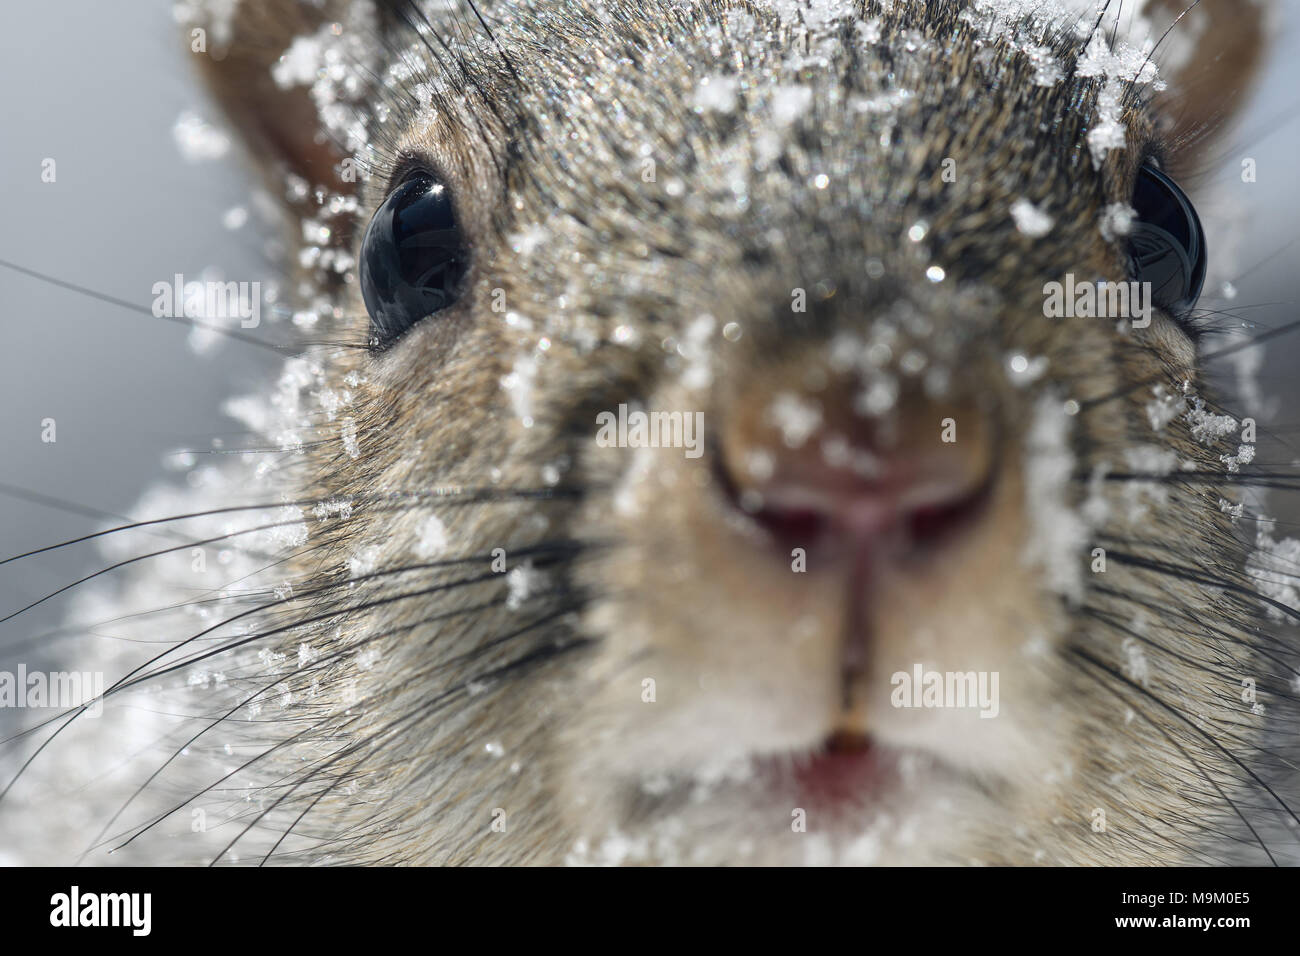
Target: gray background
[[125, 212], [98, 86]]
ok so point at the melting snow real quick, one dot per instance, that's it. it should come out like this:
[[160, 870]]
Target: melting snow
[[1207, 428], [1120, 66], [796, 417], [1117, 221], [300, 64], [1275, 566], [1058, 534], [1164, 407], [1030, 219], [789, 103], [432, 541], [522, 583], [349, 435], [1244, 456], [717, 94], [197, 139]]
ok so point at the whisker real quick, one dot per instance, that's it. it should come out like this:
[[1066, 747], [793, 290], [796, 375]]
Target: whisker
[[370, 741], [1116, 675], [135, 307], [316, 664], [1185, 575], [135, 676], [1287, 329], [447, 495]]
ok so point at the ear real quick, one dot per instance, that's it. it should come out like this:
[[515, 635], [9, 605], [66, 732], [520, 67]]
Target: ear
[[260, 63], [1209, 59]]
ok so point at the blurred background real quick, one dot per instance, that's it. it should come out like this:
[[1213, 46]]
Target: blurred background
[[144, 188]]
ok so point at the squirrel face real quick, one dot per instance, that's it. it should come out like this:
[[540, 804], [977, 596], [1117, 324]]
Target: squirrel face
[[831, 246], [734, 468]]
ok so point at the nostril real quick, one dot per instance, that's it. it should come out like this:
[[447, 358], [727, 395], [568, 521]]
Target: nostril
[[870, 515], [934, 524], [796, 527]]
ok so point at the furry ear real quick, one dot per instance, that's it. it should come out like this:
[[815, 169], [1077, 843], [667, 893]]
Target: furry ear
[[1209, 58], [260, 63]]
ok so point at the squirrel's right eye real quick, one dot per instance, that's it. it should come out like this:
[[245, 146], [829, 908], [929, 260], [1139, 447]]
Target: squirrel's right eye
[[1167, 243], [413, 258]]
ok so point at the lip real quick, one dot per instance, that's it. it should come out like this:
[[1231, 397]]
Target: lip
[[846, 773]]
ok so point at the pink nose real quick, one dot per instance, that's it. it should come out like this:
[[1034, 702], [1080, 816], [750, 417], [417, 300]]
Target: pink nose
[[896, 488]]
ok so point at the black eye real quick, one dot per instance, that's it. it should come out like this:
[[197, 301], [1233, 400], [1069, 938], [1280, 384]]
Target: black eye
[[1166, 244], [413, 258]]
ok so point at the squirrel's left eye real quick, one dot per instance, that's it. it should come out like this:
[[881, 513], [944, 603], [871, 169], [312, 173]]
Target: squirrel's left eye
[[1166, 243], [413, 258]]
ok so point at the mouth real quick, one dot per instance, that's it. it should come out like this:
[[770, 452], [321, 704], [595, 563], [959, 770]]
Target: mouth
[[848, 772]]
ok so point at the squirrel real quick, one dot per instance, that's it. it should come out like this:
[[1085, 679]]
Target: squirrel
[[685, 462]]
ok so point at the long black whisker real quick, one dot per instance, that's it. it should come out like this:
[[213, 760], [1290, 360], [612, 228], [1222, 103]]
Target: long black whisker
[[135, 677], [135, 307], [1079, 652], [447, 495]]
